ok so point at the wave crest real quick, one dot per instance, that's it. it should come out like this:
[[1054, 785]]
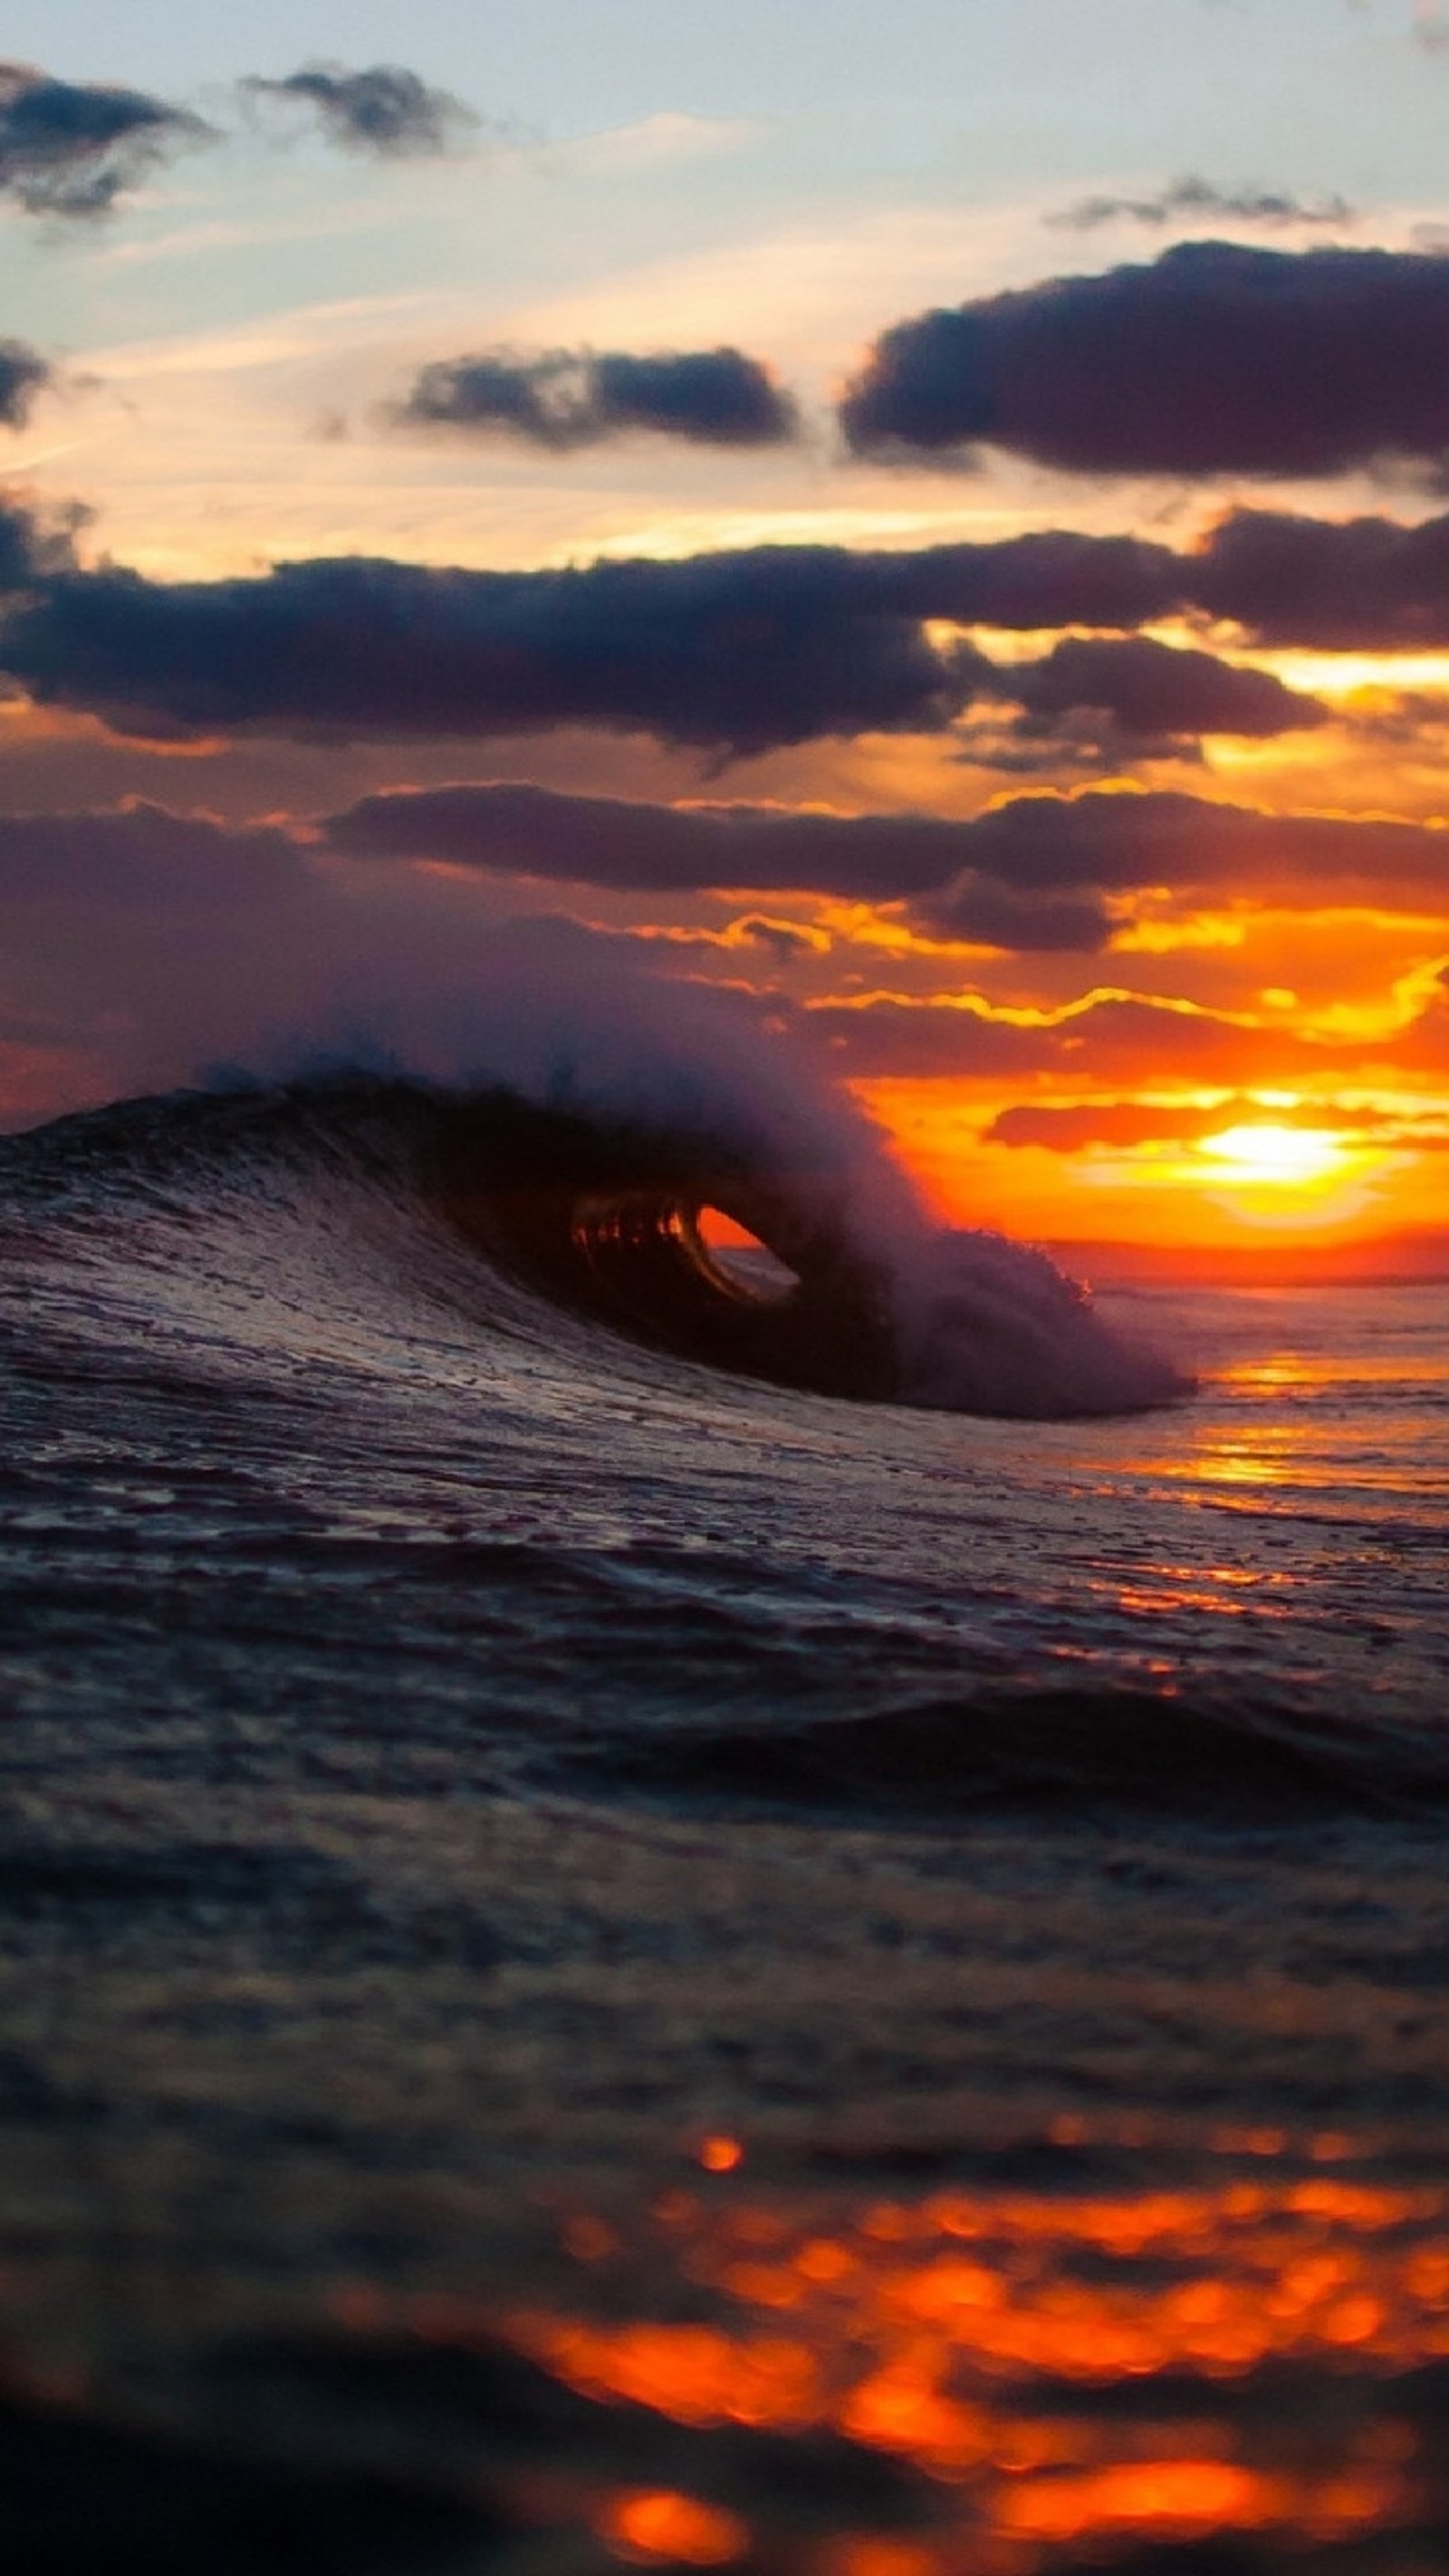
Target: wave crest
[[603, 1213]]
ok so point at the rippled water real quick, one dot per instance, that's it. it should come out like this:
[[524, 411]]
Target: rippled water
[[756, 1977]]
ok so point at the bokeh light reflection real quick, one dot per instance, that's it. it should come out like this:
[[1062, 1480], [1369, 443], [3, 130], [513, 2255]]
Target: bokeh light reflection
[[1066, 2371]]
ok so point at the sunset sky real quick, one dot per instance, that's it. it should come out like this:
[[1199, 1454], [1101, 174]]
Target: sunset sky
[[933, 516]]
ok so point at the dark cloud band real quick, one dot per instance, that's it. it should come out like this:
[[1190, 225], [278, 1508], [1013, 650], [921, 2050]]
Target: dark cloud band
[[690, 653], [740, 651], [745, 651], [1002, 870], [1214, 359], [667, 849], [1117, 843], [735, 651], [1367, 584], [1153, 693], [568, 398], [1037, 849]]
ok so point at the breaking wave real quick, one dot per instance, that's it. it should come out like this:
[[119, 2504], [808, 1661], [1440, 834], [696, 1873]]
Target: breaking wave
[[837, 1283]]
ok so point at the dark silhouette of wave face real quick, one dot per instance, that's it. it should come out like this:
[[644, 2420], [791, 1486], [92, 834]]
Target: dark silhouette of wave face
[[852, 1292], [611, 1222], [871, 1304]]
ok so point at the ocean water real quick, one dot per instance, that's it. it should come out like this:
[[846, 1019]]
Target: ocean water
[[698, 1925]]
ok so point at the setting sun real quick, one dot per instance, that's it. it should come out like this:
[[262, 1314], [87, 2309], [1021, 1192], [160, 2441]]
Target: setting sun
[[1277, 1156]]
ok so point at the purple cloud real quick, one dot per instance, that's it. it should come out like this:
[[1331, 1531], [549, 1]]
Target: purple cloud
[[568, 398], [1215, 359]]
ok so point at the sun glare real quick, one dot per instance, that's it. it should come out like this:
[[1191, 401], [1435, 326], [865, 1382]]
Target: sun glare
[[1277, 1156]]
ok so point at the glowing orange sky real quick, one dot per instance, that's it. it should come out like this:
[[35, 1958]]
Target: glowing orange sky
[[234, 336], [1243, 1184]]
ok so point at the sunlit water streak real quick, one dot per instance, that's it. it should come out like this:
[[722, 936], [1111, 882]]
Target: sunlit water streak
[[1256, 2348]]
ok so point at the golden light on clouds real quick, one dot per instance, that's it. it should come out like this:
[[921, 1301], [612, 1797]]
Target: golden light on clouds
[[1100, 962], [1269, 1166], [1343, 676]]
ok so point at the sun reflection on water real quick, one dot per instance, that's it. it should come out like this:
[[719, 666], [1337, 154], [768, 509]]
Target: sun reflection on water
[[1350, 1408], [1064, 2370]]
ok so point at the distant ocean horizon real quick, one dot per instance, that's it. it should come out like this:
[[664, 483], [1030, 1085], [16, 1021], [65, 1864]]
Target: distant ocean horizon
[[1408, 1256]]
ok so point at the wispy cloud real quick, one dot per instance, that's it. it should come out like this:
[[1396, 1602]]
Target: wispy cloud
[[386, 110], [1192, 200], [71, 150]]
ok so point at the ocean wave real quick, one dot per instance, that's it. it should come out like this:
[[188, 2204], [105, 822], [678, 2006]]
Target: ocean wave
[[926, 1761], [436, 1429], [843, 1286]]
